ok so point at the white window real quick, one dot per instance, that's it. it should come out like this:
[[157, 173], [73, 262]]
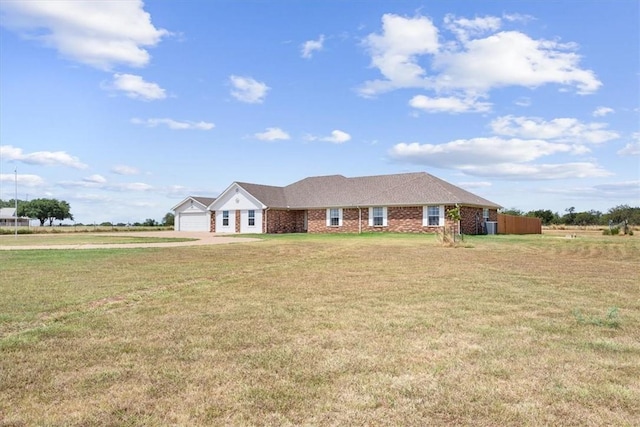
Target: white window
[[378, 217], [485, 214], [433, 216], [334, 217], [225, 218], [251, 218]]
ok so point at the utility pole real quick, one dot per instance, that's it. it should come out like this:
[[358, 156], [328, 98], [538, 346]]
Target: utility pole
[[16, 203]]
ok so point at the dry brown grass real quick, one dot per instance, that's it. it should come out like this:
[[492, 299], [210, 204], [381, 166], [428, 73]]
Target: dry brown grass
[[326, 330]]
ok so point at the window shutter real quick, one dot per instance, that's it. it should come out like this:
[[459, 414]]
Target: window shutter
[[384, 216], [370, 217], [328, 217], [441, 209], [340, 217], [425, 216]]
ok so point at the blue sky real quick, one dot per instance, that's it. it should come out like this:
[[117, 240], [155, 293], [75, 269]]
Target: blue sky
[[124, 108]]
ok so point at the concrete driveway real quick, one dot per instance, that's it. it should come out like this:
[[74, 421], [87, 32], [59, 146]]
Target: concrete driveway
[[202, 238]]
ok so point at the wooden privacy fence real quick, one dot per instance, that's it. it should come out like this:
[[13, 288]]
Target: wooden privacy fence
[[512, 224]]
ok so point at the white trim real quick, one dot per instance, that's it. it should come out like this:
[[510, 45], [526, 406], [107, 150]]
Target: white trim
[[384, 216]]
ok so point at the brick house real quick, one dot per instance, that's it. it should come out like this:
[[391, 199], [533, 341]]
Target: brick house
[[410, 202]]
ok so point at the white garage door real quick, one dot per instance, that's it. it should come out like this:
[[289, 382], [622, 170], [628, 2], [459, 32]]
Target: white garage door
[[194, 222]]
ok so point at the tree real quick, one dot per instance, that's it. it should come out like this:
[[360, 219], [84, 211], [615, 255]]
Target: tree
[[168, 220], [621, 213], [149, 222], [570, 217], [512, 211], [546, 216], [45, 210]]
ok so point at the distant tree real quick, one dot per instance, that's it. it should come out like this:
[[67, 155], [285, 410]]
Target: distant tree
[[546, 216], [149, 222], [512, 211], [106, 224], [588, 218], [168, 220], [621, 213], [570, 216], [45, 210]]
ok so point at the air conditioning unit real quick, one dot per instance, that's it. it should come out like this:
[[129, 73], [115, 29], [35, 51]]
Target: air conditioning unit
[[492, 227]]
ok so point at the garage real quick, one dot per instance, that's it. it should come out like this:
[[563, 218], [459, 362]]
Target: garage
[[192, 214], [193, 222]]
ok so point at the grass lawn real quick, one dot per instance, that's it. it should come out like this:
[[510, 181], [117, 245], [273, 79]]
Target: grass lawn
[[80, 239], [324, 330]]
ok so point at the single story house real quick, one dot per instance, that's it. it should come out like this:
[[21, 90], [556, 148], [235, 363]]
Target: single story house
[[8, 218], [192, 214], [408, 202]]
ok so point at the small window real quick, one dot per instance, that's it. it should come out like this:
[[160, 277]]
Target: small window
[[378, 216], [433, 215], [252, 218], [225, 218], [485, 214], [334, 217]]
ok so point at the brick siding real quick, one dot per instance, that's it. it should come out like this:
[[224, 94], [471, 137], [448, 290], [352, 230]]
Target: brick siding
[[404, 219], [283, 221]]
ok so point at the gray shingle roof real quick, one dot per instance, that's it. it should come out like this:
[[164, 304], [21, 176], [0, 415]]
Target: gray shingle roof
[[204, 200], [408, 189]]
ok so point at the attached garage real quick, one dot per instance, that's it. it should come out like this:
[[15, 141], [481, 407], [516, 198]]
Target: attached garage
[[192, 214]]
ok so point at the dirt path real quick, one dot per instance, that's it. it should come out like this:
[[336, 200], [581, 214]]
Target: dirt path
[[202, 238]]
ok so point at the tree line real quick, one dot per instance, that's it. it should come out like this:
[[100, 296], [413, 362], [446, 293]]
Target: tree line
[[52, 209], [49, 210], [42, 209], [616, 215]]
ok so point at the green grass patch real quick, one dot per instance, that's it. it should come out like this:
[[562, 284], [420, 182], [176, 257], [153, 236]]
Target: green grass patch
[[302, 329]]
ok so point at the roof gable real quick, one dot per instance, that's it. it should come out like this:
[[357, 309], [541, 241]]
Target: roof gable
[[204, 201]]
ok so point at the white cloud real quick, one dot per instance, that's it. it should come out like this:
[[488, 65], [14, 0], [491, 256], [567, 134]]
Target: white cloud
[[337, 137], [101, 34], [136, 87], [484, 151], [395, 52], [247, 89], [409, 54], [24, 180], [95, 179], [475, 184], [560, 129], [448, 104], [538, 171], [511, 58], [311, 46], [497, 157], [464, 28], [174, 124], [103, 185], [632, 148], [602, 111], [625, 190], [133, 186], [125, 170], [523, 101], [272, 134], [44, 158]]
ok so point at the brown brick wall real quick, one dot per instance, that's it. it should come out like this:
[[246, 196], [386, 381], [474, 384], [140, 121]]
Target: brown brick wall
[[283, 221], [399, 220]]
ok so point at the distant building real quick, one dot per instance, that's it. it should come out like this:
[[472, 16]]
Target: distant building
[[8, 218]]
